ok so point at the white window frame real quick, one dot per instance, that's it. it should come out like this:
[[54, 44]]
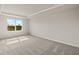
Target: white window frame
[[15, 25]]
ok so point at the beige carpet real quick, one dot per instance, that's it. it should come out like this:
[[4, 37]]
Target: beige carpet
[[31, 45]]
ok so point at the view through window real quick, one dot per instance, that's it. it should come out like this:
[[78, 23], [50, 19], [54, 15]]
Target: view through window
[[14, 24]]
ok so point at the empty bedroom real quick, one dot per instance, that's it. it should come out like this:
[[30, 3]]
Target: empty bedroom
[[39, 29]]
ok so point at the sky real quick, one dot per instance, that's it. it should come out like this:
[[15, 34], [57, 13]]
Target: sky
[[12, 21]]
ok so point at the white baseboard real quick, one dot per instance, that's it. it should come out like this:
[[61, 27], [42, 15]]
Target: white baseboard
[[56, 40]]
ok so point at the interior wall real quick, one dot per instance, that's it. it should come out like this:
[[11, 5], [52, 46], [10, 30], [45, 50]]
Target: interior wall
[[60, 24], [4, 33]]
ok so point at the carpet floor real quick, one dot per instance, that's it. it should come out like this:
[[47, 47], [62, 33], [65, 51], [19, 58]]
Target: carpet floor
[[31, 45]]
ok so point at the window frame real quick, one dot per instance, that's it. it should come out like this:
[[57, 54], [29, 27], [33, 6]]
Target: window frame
[[15, 24]]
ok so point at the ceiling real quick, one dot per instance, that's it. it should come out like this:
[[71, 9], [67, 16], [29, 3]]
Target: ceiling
[[27, 10], [23, 9]]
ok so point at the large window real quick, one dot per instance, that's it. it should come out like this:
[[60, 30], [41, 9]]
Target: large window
[[14, 24]]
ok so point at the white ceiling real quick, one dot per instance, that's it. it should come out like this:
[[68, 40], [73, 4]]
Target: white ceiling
[[27, 9], [23, 9]]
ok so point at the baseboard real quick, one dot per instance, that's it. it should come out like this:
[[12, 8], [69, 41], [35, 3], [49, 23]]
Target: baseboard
[[48, 38]]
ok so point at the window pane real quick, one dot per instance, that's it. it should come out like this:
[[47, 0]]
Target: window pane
[[11, 28], [18, 27], [11, 24], [19, 24]]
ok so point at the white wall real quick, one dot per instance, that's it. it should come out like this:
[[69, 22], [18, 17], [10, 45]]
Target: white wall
[[4, 33], [61, 25]]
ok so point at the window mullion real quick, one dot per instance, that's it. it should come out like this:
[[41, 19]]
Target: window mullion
[[15, 25]]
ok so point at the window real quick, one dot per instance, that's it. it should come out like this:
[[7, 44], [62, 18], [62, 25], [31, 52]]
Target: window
[[18, 24], [14, 24]]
